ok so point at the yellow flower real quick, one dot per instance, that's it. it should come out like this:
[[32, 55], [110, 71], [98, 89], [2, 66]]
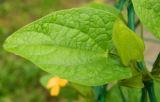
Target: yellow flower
[[55, 91], [54, 84]]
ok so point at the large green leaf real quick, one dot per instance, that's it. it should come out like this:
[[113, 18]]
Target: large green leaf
[[128, 44], [72, 44], [104, 7], [85, 91], [149, 13]]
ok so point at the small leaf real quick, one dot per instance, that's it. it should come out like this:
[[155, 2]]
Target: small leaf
[[149, 13], [128, 44], [134, 82], [72, 44]]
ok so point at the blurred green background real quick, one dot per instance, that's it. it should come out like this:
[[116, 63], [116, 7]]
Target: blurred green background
[[19, 79]]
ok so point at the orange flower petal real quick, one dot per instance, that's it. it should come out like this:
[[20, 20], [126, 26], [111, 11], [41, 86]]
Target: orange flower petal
[[55, 90], [62, 82], [53, 82]]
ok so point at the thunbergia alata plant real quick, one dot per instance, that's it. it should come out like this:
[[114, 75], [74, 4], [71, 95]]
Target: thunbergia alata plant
[[93, 46]]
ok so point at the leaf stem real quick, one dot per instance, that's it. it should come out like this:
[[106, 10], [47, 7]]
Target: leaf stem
[[120, 4], [131, 16], [100, 93], [144, 95], [150, 88], [131, 25]]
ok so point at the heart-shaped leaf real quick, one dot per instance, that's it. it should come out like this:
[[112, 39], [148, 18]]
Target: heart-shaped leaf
[[72, 44]]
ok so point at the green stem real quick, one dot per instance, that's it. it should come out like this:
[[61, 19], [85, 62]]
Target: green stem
[[120, 4], [131, 25], [131, 16], [148, 84], [100, 93], [144, 95], [122, 95], [150, 88]]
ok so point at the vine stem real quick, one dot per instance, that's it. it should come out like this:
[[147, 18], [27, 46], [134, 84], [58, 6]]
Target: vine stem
[[144, 95], [131, 16], [100, 93], [120, 4], [150, 88], [131, 25], [148, 85]]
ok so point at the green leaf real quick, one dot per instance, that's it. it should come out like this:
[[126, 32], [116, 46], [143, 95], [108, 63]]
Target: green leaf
[[130, 94], [123, 94], [114, 94], [72, 44], [104, 7], [149, 13], [135, 81], [130, 47], [85, 91]]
